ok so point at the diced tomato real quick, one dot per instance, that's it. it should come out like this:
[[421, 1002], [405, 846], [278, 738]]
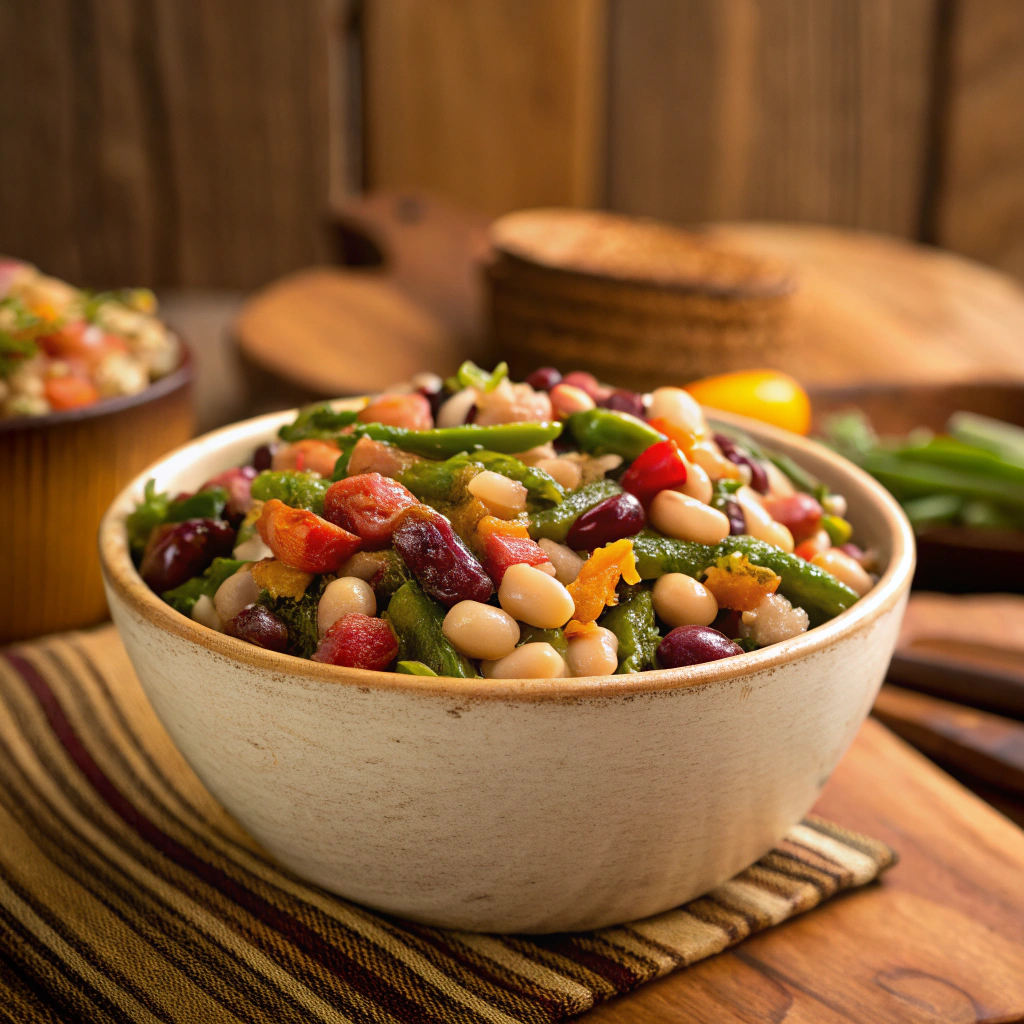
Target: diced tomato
[[815, 544], [358, 641], [411, 411], [80, 340], [317, 456], [70, 392], [303, 540], [660, 467], [367, 505], [801, 513], [500, 550]]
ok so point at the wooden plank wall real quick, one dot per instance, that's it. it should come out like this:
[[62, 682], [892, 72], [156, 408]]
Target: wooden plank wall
[[205, 143], [161, 142]]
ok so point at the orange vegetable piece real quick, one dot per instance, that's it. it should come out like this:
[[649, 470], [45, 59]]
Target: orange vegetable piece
[[318, 456], [304, 540], [411, 411], [683, 438], [574, 629], [765, 395], [738, 584], [593, 590], [507, 527], [279, 579]]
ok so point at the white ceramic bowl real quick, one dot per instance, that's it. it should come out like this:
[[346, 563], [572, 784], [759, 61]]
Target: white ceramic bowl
[[513, 805]]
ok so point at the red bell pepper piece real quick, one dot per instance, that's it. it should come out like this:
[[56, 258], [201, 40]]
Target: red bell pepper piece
[[660, 467], [367, 505], [500, 550], [358, 641], [303, 540]]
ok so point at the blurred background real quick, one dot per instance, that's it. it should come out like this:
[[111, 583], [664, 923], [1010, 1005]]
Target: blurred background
[[211, 144]]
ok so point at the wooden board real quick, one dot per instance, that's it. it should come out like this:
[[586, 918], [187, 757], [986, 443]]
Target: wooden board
[[941, 938], [875, 309]]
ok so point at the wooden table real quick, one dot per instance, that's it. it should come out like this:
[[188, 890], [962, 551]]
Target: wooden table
[[941, 938]]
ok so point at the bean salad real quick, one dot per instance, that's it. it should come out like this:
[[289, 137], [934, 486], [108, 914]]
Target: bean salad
[[475, 526]]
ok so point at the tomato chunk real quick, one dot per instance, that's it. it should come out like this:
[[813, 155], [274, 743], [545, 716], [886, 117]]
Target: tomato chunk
[[358, 641], [500, 550], [367, 505], [70, 392], [659, 468], [303, 540]]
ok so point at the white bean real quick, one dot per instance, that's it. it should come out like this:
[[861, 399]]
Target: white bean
[[205, 614], [677, 406], [363, 564], [759, 521], [680, 600], [709, 457], [531, 661], [343, 596], [845, 569], [563, 471], [454, 412], [252, 550], [779, 485], [480, 630], [685, 518], [595, 654], [566, 562], [503, 497], [567, 399], [698, 484], [535, 598], [235, 593]]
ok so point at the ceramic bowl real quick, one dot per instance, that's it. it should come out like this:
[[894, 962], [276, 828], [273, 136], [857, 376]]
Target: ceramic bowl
[[58, 475], [513, 805]]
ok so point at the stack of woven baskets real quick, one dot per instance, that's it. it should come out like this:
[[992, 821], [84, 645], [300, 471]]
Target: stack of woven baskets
[[630, 300]]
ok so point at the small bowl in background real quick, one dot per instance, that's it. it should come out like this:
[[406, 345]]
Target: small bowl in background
[[58, 474]]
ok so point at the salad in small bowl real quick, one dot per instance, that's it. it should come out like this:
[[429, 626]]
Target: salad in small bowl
[[510, 656]]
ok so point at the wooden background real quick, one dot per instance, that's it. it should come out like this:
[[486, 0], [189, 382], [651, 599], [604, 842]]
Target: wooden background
[[206, 143]]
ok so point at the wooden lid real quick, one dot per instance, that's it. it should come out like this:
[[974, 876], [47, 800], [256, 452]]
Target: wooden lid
[[617, 248]]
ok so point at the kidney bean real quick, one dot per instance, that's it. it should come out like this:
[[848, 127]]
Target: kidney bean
[[544, 378], [622, 400], [660, 467], [694, 645], [737, 520], [358, 641], [263, 457], [260, 627], [587, 382], [178, 551], [735, 454], [445, 568], [619, 516]]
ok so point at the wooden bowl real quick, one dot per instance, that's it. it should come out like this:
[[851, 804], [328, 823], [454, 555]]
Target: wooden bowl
[[952, 559], [58, 474], [516, 804]]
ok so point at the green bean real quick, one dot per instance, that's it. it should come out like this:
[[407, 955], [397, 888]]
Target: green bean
[[295, 487], [818, 592], [417, 620], [394, 574], [554, 523], [633, 623], [201, 505], [414, 668], [444, 442], [606, 432], [318, 422], [469, 375], [1003, 439], [536, 635], [446, 481]]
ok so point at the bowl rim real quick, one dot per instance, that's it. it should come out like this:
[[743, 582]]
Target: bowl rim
[[179, 377], [125, 583]]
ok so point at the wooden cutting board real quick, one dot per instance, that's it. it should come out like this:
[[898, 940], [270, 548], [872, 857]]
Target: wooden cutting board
[[867, 308], [940, 938]]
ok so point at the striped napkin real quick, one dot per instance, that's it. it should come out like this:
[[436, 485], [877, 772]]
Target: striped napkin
[[128, 894]]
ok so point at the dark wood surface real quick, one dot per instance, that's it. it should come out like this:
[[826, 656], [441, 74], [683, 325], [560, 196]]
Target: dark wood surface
[[941, 938]]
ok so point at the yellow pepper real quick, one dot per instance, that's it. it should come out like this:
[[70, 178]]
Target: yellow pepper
[[766, 395]]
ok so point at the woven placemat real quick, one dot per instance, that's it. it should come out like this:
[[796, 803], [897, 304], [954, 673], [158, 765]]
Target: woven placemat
[[128, 894]]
